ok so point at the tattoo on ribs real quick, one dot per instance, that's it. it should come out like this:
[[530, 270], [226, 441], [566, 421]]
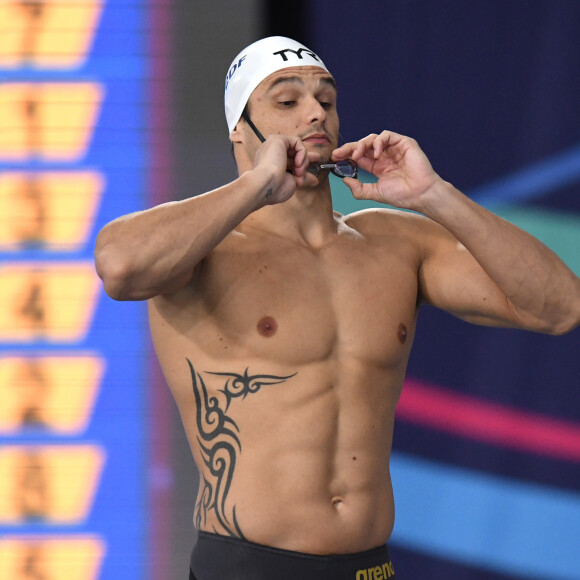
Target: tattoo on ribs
[[220, 444]]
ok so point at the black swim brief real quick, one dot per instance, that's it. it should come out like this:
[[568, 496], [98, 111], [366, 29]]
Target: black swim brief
[[216, 557]]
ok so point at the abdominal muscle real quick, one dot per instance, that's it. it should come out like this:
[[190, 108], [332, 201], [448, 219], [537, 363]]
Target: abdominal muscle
[[300, 463]]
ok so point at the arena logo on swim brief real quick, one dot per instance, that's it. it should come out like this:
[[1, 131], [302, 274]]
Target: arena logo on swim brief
[[377, 572]]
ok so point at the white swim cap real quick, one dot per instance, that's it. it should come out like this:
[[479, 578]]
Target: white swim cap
[[255, 63]]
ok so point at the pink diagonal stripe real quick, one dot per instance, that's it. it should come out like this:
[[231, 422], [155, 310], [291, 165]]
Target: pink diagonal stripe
[[468, 416]]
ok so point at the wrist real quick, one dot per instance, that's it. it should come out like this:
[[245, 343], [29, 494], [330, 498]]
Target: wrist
[[436, 199], [257, 183]]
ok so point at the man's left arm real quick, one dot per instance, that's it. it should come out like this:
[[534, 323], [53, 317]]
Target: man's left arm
[[497, 274]]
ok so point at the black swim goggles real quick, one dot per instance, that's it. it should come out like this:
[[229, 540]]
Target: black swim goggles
[[344, 168]]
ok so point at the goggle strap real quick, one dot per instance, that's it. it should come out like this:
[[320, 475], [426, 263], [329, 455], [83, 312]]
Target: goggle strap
[[253, 127]]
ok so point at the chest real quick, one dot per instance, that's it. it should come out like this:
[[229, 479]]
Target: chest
[[299, 306]]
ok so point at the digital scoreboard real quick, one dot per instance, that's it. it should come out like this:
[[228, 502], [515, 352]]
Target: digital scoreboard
[[73, 155]]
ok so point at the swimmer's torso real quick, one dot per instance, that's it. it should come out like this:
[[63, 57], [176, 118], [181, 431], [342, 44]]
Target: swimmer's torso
[[286, 363]]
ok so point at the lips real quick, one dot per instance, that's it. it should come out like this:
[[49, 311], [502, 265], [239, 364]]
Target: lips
[[317, 138]]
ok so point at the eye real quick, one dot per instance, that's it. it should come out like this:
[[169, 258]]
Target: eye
[[287, 103], [325, 105]]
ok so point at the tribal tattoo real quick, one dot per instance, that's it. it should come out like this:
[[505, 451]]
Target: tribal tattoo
[[243, 385], [220, 444]]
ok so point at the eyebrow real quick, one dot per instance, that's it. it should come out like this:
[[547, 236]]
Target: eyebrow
[[326, 80]]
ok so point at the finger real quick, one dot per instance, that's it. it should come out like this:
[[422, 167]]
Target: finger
[[388, 139], [302, 161], [360, 150], [392, 136], [299, 159], [356, 149], [344, 151], [362, 190], [365, 147], [366, 163], [381, 143], [295, 154], [354, 185]]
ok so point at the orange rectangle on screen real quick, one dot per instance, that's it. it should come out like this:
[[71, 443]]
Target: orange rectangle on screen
[[48, 302], [48, 121], [48, 484], [48, 210], [48, 393], [51, 557], [47, 33]]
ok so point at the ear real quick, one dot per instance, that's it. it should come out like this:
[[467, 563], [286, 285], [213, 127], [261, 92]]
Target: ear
[[236, 134]]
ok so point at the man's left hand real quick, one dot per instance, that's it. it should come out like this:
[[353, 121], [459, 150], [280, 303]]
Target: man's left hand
[[404, 173]]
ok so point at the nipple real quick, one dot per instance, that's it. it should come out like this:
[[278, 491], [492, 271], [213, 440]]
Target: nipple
[[267, 326], [402, 333]]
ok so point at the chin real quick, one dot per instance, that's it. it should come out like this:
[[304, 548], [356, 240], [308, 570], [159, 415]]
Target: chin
[[324, 151]]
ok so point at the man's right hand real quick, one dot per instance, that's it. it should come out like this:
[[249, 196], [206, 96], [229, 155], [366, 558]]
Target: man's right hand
[[284, 160]]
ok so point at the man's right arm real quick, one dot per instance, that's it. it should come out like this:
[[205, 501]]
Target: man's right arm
[[155, 251]]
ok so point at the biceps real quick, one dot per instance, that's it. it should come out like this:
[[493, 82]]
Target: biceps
[[455, 282]]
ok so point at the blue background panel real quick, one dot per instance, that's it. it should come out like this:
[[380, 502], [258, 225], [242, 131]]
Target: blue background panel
[[119, 61]]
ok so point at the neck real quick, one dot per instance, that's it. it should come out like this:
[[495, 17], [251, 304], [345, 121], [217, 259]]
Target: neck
[[307, 217]]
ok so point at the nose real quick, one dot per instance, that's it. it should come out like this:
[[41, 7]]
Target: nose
[[316, 112]]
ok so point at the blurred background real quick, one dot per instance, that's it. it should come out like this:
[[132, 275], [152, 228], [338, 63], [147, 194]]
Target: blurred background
[[112, 106]]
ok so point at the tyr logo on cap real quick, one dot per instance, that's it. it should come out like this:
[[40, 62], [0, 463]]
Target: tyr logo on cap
[[298, 53]]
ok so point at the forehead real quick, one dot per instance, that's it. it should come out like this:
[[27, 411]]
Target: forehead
[[303, 75]]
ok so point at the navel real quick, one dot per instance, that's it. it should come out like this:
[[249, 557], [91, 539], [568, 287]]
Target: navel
[[267, 326], [402, 333]]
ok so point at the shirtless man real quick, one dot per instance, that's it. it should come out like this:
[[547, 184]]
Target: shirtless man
[[284, 329]]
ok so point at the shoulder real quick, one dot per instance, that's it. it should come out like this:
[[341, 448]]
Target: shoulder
[[383, 221]]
